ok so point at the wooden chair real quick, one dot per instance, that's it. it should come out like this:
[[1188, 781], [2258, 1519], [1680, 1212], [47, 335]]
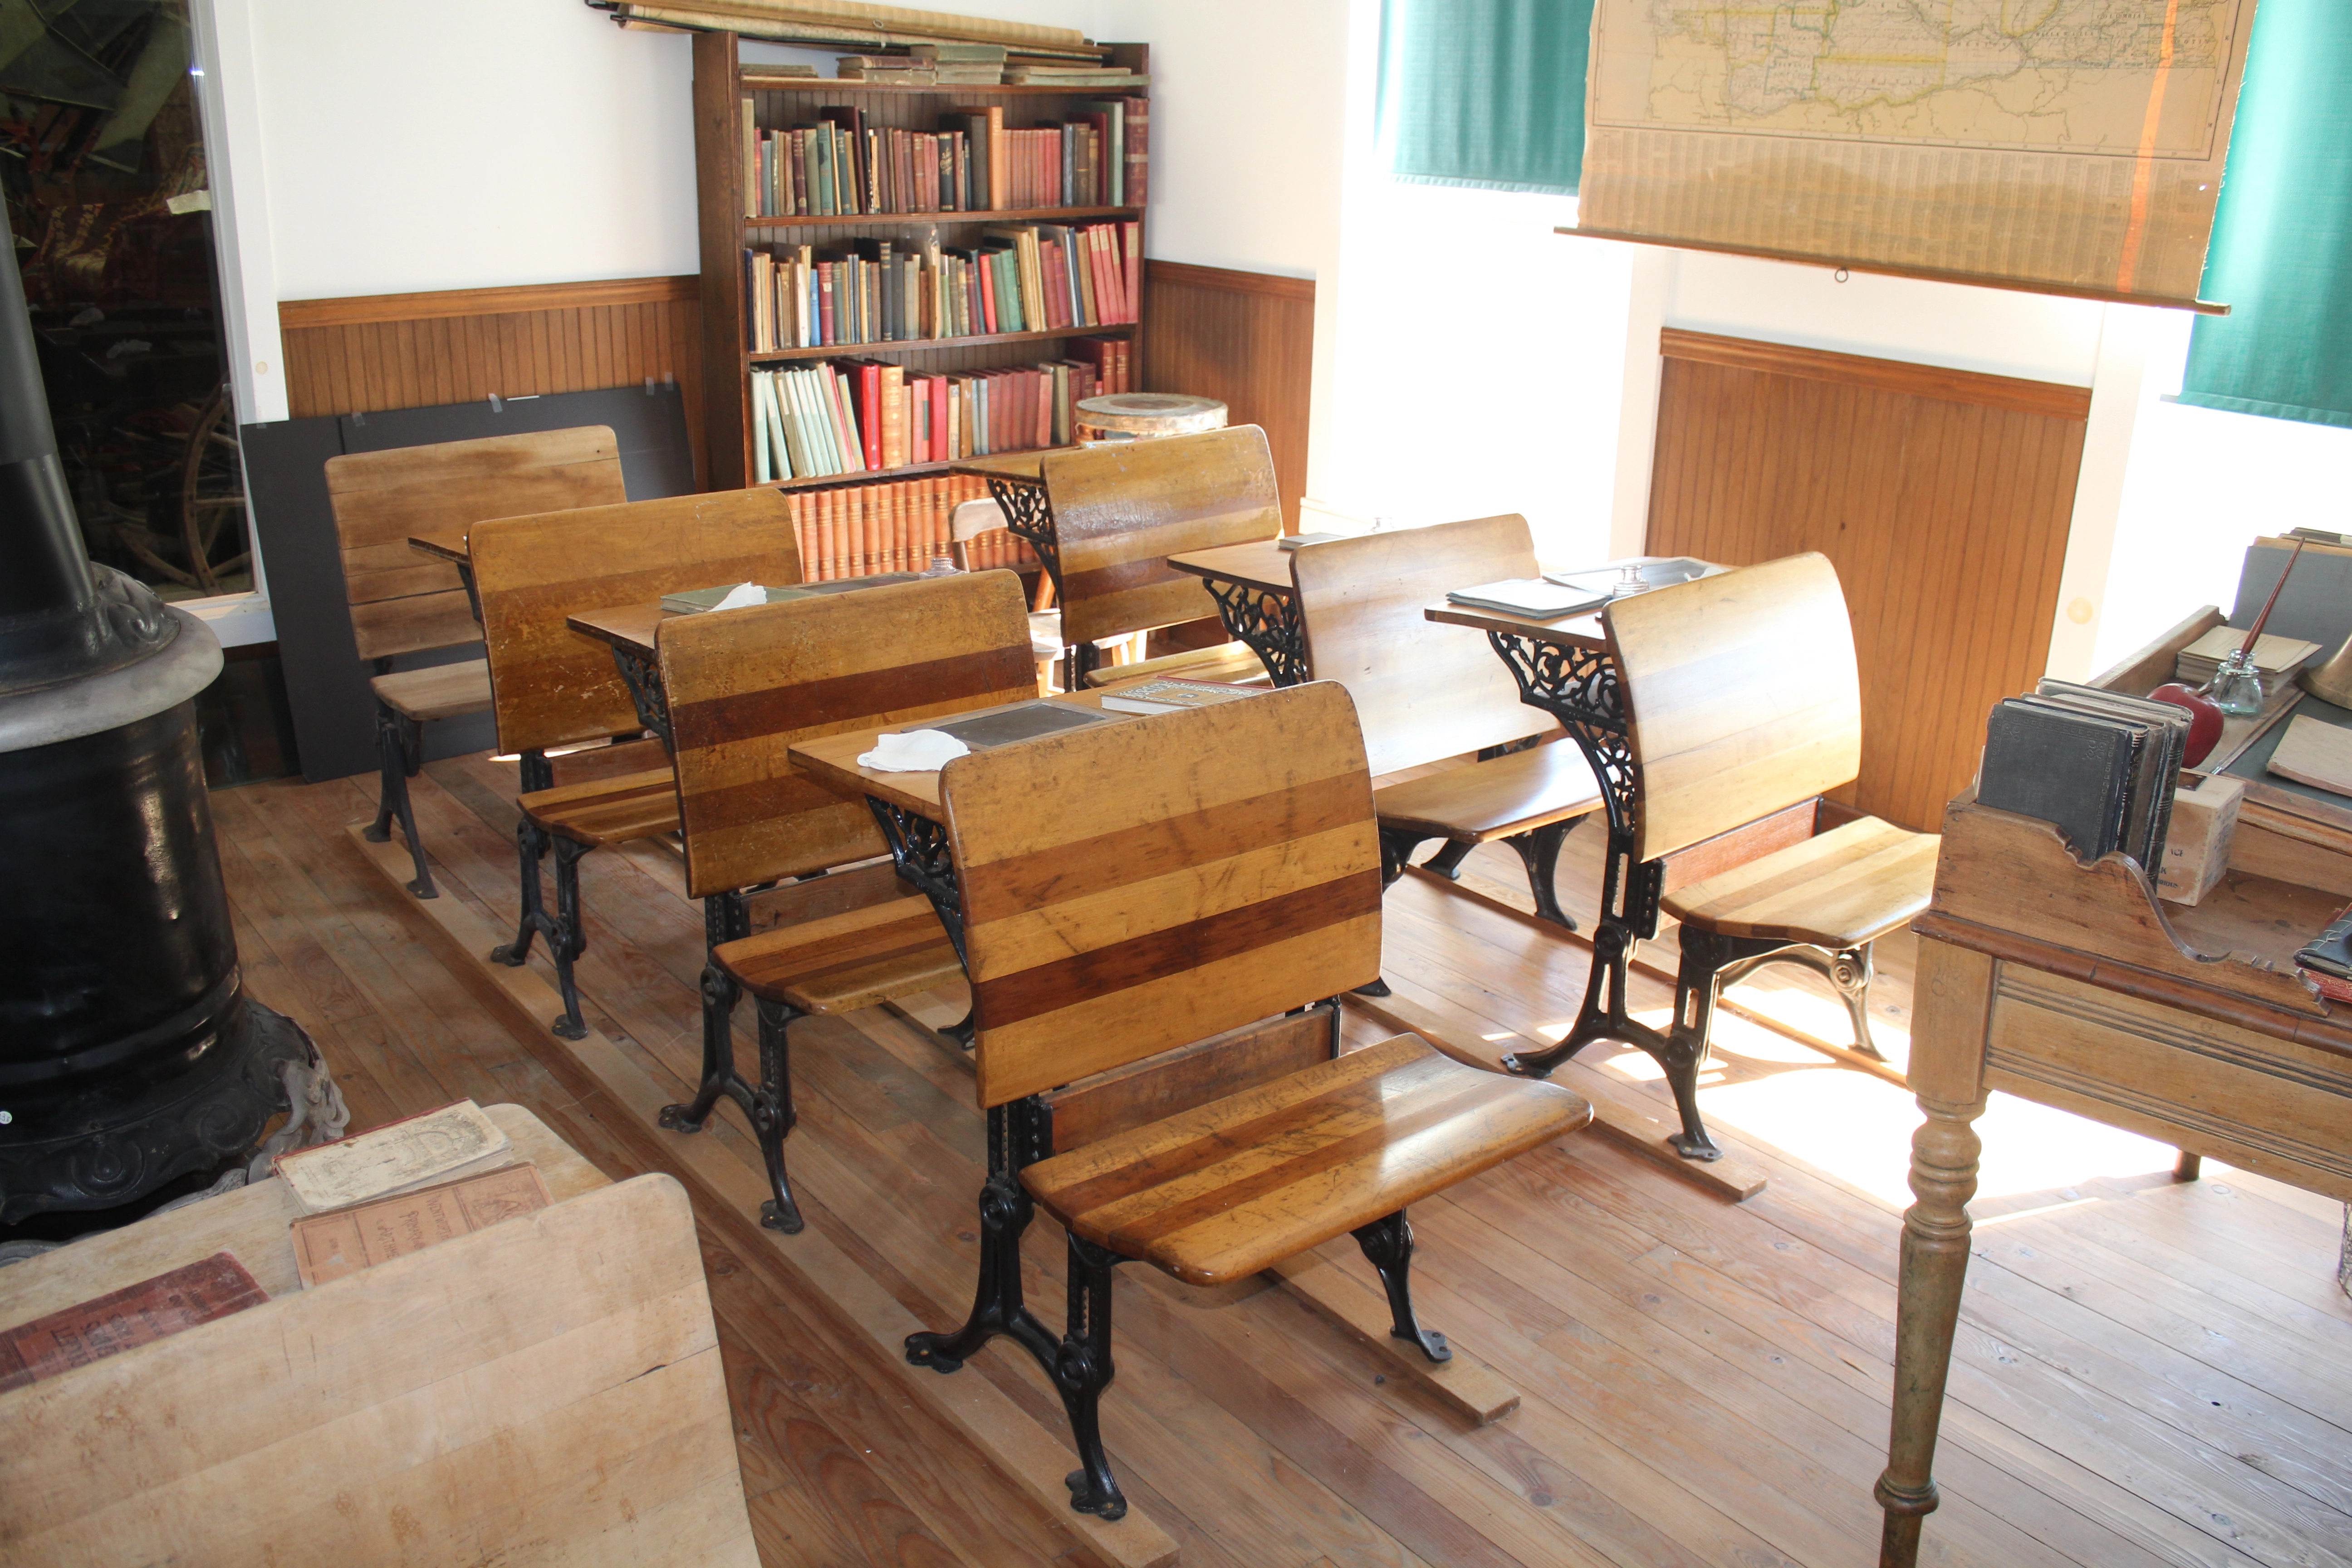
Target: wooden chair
[[1426, 692], [744, 685], [1742, 701], [404, 603], [551, 687], [1120, 510], [1221, 866]]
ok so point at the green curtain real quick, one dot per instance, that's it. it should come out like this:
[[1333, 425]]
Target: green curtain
[[2282, 255], [1485, 92]]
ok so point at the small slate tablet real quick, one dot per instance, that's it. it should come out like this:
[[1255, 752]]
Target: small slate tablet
[[1022, 722]]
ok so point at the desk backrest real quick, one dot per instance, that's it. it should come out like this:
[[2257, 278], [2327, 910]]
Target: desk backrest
[[744, 685], [1120, 510], [1741, 696], [1138, 886], [549, 685], [402, 601], [1424, 691]]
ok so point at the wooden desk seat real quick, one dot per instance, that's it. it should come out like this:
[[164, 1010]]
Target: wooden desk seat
[[402, 602], [551, 687], [1427, 693], [443, 691], [745, 687], [1743, 700], [1221, 866], [607, 811], [1220, 1192], [1120, 510]]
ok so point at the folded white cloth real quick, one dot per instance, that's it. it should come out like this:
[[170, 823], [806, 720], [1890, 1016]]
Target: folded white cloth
[[914, 752], [742, 596]]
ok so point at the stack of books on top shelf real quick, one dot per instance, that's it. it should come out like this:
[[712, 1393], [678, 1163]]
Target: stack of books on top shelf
[[860, 530], [857, 416], [923, 64], [1021, 278], [840, 165]]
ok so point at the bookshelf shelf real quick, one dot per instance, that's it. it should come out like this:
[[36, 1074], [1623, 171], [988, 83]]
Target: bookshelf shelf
[[729, 96], [902, 345], [875, 220], [959, 91]]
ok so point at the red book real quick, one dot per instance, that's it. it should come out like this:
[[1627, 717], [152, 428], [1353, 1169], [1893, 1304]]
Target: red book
[[870, 410], [1134, 273], [1057, 284], [1138, 150], [1044, 433], [987, 293], [941, 450], [824, 303]]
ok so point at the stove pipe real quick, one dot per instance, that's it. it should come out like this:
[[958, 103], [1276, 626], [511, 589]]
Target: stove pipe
[[129, 1055]]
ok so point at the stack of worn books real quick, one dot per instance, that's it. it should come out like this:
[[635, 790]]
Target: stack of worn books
[[924, 64], [2099, 766], [2273, 655]]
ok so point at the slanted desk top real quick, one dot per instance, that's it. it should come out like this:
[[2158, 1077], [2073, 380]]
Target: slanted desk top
[[629, 628], [449, 547], [1260, 564], [1583, 631], [832, 759], [1009, 465]]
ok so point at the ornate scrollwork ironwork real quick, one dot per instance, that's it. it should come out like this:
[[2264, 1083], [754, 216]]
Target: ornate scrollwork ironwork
[[1029, 517], [1268, 623], [920, 848], [642, 676]]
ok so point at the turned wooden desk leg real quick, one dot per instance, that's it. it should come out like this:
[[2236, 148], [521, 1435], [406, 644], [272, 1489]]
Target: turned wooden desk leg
[[1935, 1266]]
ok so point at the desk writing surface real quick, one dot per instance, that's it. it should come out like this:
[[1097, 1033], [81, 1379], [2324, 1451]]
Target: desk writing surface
[[1584, 631], [449, 547], [1260, 564], [832, 759], [629, 627], [1008, 465]]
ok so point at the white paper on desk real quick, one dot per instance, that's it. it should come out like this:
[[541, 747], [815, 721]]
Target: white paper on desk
[[741, 597], [913, 752]]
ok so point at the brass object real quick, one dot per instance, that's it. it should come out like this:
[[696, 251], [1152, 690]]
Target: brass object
[[2332, 682]]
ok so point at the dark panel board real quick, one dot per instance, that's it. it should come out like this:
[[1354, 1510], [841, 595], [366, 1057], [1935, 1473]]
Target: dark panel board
[[326, 680]]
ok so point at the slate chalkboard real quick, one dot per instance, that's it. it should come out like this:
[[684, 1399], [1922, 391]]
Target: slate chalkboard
[[326, 680]]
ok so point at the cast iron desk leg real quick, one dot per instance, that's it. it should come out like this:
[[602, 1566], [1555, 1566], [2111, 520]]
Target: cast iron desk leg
[[1579, 688], [1267, 622]]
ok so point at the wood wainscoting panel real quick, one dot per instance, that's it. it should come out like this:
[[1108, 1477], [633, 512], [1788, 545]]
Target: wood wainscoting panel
[[421, 350], [1942, 497], [1245, 337]]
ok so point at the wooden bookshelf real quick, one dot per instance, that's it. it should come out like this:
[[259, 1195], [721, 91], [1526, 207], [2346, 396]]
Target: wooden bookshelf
[[721, 84]]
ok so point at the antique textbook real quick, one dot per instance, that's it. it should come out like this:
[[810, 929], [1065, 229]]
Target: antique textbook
[[453, 1140], [344, 1241]]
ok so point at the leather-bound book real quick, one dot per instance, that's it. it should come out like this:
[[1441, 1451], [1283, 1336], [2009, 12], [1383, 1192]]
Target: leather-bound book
[[2070, 770]]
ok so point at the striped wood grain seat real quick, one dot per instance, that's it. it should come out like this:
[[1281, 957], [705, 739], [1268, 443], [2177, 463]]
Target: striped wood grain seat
[[1427, 693], [1744, 700], [1221, 866], [745, 686], [1120, 510], [551, 687], [402, 602]]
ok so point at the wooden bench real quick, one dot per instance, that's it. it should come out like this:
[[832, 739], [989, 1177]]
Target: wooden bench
[[744, 685], [1426, 693], [1120, 510], [551, 687], [402, 602], [1744, 703], [1221, 866]]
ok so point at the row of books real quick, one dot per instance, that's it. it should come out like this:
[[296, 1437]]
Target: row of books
[[924, 64], [852, 417], [840, 166], [859, 531], [1024, 278]]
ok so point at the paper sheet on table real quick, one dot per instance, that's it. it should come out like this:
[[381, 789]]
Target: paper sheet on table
[[742, 596], [913, 752]]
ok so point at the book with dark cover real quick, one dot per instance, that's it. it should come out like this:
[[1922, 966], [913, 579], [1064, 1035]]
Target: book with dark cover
[[2160, 770], [2070, 770]]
